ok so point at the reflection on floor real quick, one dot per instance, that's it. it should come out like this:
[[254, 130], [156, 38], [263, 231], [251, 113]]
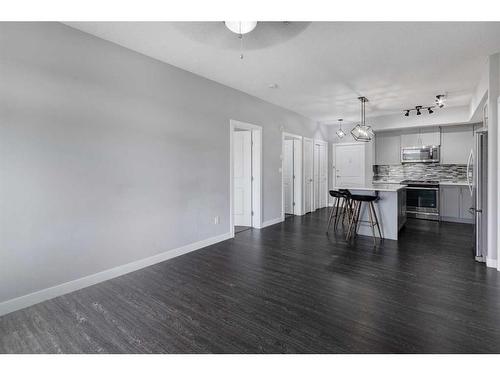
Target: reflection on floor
[[240, 228], [287, 288]]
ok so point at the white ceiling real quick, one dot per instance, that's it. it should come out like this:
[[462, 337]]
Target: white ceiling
[[322, 67]]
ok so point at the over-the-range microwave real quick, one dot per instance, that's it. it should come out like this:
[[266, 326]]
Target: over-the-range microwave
[[420, 154]]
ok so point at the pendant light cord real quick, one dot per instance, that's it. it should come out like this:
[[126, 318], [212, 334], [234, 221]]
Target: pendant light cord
[[241, 46], [241, 43]]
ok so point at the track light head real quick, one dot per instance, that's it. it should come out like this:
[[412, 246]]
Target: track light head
[[440, 99], [430, 110], [418, 108], [407, 113]]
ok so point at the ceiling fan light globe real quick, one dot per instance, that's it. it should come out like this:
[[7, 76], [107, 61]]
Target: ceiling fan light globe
[[240, 27]]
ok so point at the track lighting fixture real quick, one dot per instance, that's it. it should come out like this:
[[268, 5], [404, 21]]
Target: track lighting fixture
[[440, 99], [418, 110], [340, 132]]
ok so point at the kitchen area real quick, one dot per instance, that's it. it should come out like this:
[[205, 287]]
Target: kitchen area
[[434, 173]]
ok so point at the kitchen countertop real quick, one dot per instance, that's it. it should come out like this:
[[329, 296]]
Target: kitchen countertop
[[387, 182], [444, 182], [454, 183], [373, 187]]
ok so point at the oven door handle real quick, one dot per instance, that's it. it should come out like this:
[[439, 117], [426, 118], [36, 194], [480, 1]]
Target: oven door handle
[[421, 188]]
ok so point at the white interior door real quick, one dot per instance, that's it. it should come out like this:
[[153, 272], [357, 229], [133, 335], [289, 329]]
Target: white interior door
[[288, 175], [308, 175], [323, 175], [297, 177], [242, 178], [316, 167], [350, 164]]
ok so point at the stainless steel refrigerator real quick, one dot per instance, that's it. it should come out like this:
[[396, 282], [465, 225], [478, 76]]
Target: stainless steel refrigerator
[[477, 178]]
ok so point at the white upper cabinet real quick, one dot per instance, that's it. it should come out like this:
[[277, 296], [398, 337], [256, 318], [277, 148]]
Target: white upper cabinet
[[410, 138], [421, 137], [387, 148], [457, 142]]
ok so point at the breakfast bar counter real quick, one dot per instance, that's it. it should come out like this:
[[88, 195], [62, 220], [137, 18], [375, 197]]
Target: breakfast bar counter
[[390, 208]]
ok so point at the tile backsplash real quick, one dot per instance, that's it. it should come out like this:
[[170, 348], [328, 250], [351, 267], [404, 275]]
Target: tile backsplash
[[420, 171]]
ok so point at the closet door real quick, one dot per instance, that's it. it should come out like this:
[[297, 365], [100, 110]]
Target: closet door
[[308, 174], [288, 176], [243, 178], [323, 175]]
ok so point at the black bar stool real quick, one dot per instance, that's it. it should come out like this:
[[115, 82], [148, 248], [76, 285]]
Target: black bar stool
[[341, 207], [348, 209], [354, 221]]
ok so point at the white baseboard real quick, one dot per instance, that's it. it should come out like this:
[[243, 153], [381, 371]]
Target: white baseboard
[[272, 222], [457, 220], [70, 286], [491, 263]]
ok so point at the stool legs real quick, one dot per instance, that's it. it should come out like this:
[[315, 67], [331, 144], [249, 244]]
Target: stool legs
[[354, 221], [346, 212], [332, 213], [370, 215], [376, 220], [340, 211]]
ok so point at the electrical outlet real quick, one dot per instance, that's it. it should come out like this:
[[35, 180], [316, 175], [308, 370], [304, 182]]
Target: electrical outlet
[[216, 219]]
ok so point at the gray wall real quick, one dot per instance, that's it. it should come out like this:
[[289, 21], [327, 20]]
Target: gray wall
[[108, 156]]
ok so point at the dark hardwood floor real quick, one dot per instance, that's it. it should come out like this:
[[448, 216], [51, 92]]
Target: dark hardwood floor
[[288, 288]]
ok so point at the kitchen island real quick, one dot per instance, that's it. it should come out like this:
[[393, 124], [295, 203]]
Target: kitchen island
[[390, 208]]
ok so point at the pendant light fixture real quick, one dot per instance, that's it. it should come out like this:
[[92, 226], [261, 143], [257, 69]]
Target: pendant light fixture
[[362, 132], [340, 132], [241, 28]]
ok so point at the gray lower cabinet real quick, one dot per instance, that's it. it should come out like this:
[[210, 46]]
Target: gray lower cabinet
[[449, 199], [455, 202]]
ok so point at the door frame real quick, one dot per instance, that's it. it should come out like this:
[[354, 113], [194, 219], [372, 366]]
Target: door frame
[[256, 172], [297, 169], [324, 143]]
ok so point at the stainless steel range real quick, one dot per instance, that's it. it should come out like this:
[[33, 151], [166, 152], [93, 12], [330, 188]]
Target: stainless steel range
[[422, 199]]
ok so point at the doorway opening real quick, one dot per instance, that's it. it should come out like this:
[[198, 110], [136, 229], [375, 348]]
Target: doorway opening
[[291, 175], [245, 176]]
